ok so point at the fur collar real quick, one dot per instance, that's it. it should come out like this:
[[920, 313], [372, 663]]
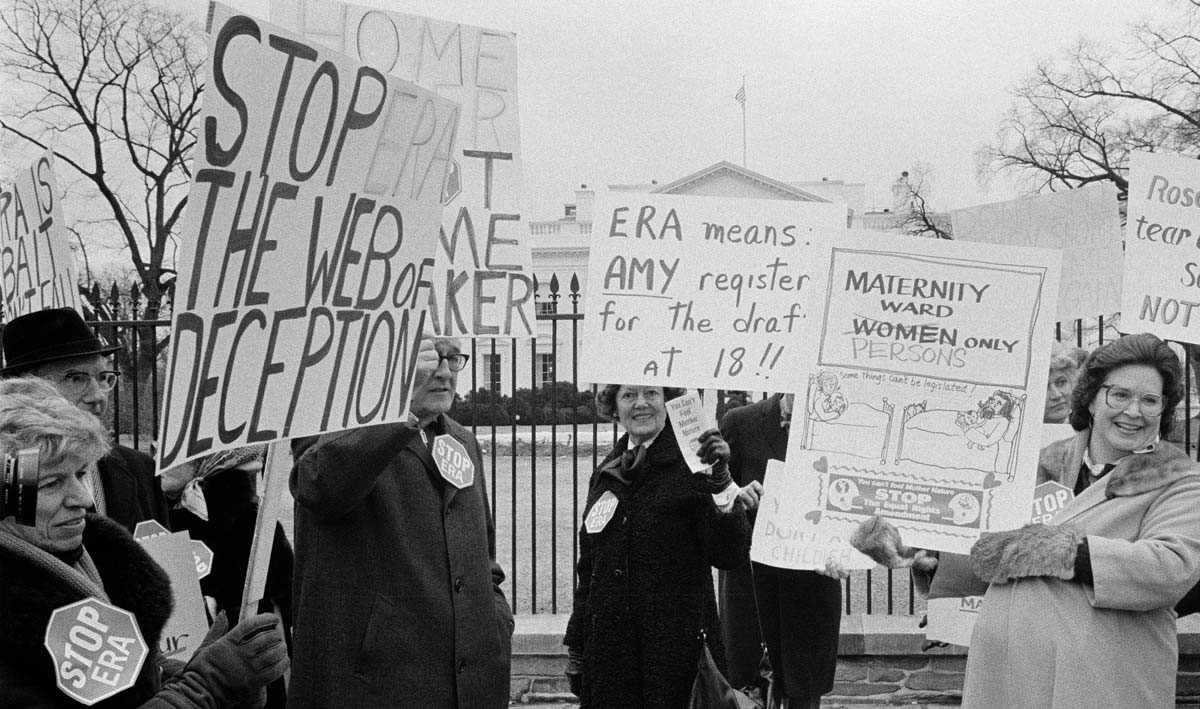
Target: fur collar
[[1139, 472]]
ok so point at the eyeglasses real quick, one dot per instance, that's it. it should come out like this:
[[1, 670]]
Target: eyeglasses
[[456, 362], [77, 382], [1120, 398]]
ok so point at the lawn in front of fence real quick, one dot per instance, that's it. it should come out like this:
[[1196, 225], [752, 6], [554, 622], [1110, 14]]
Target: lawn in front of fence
[[536, 524]]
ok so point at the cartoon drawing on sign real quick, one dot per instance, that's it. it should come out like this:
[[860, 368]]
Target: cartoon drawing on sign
[[983, 439], [833, 424]]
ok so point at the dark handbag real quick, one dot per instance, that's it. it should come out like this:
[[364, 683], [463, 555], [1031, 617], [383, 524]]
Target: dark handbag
[[711, 690]]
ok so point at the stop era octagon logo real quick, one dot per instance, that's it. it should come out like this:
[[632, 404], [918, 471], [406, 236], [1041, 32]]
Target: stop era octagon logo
[[97, 648]]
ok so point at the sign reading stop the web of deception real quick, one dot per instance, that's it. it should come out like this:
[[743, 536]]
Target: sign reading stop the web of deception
[[97, 648]]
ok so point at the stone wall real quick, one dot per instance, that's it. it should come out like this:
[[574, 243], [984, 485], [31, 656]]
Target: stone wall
[[880, 662]]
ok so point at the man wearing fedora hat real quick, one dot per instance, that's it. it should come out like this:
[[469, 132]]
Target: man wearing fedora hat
[[58, 346]]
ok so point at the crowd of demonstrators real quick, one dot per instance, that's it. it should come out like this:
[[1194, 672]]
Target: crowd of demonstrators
[[397, 589], [1081, 611], [796, 614], [69, 555], [651, 532], [59, 347]]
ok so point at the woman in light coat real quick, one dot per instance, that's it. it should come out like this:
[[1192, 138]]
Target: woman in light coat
[[1079, 612]]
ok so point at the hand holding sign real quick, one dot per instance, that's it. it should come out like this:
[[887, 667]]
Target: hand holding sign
[[245, 659], [715, 452]]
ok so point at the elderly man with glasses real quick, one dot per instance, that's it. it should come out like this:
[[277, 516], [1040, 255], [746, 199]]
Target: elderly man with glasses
[[58, 346]]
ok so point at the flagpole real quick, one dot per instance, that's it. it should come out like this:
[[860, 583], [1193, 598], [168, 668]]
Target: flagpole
[[744, 124]]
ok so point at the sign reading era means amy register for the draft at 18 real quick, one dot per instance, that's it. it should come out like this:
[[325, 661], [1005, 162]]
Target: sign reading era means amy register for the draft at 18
[[307, 243], [482, 283], [924, 386], [37, 270], [1161, 285], [700, 291]]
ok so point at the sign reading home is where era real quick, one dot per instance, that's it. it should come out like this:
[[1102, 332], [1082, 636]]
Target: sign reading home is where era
[[924, 387], [37, 270], [1084, 223], [1161, 292], [307, 247], [483, 282], [700, 291]]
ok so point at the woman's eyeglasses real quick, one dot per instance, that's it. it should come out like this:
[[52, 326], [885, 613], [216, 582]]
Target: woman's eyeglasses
[[1120, 398], [77, 382]]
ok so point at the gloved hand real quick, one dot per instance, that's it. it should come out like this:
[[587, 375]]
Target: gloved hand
[[245, 659], [715, 452], [878, 539], [574, 671], [1032, 550]]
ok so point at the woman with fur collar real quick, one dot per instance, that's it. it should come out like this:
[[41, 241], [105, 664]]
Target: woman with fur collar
[[68, 555], [1079, 612]]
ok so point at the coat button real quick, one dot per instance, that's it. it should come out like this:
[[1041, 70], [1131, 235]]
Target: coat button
[[462, 665], [458, 585], [618, 573]]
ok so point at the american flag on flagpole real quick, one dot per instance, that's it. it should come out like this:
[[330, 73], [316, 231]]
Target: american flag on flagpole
[[741, 94]]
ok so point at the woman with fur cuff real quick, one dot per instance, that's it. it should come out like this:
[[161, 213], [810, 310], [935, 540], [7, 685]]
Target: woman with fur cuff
[[1078, 612], [68, 555]]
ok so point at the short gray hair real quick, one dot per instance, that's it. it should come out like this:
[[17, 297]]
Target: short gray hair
[[34, 415]]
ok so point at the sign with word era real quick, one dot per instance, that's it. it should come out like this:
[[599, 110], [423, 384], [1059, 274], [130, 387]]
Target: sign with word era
[[97, 649]]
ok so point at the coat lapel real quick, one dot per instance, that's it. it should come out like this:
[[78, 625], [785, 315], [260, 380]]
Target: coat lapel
[[776, 434]]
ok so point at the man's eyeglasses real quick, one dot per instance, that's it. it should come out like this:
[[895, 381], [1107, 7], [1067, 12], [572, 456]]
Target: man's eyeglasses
[[77, 382], [456, 362], [1120, 398]]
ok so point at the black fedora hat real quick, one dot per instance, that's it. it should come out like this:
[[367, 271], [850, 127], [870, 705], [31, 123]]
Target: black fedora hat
[[46, 336]]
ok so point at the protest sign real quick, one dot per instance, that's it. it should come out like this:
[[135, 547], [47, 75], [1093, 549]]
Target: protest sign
[[483, 283], [951, 617], [188, 624], [689, 419], [1162, 266], [788, 539], [1084, 223], [700, 291], [307, 245], [97, 650], [926, 374], [37, 270]]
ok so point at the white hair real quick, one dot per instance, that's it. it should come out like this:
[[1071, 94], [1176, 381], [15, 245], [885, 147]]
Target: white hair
[[34, 415]]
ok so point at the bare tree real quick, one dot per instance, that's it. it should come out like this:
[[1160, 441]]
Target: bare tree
[[1075, 120], [113, 87], [916, 217]]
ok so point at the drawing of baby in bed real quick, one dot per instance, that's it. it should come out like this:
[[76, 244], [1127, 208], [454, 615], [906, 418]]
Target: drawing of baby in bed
[[829, 403], [987, 425]]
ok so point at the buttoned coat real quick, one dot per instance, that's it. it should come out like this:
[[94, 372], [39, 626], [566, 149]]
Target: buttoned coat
[[799, 612], [645, 587], [396, 588], [1045, 642]]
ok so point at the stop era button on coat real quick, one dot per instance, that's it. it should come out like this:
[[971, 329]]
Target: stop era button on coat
[[97, 648]]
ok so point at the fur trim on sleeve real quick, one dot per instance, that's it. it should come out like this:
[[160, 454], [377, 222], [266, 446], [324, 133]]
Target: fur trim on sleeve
[[1032, 550]]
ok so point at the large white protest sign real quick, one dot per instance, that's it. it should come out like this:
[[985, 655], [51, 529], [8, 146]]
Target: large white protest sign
[[37, 270], [483, 283], [700, 291], [1084, 223], [307, 245], [1162, 262], [925, 380]]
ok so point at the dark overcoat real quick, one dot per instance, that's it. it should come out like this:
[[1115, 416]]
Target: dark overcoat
[[645, 581], [798, 612], [396, 588], [132, 492]]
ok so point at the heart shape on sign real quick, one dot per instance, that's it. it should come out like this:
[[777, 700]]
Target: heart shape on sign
[[821, 465], [814, 516], [990, 481]]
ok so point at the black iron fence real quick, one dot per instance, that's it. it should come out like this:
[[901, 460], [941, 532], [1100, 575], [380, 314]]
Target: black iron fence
[[537, 473]]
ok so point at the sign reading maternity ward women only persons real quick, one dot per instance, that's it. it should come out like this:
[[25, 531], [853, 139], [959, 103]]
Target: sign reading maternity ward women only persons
[[36, 268], [1161, 291], [304, 280], [925, 376], [700, 291], [482, 283]]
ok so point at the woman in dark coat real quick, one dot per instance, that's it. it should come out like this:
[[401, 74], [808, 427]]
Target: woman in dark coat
[[652, 530]]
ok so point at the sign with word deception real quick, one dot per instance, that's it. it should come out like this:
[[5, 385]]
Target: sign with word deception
[[1162, 248], [926, 374], [1084, 223], [307, 245], [453, 461], [97, 650], [690, 419], [37, 270], [188, 624], [482, 284], [700, 291]]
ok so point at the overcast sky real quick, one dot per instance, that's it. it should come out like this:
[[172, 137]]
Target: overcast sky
[[626, 91]]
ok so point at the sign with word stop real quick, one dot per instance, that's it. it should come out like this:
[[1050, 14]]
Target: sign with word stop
[[1048, 500], [453, 461], [97, 648]]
